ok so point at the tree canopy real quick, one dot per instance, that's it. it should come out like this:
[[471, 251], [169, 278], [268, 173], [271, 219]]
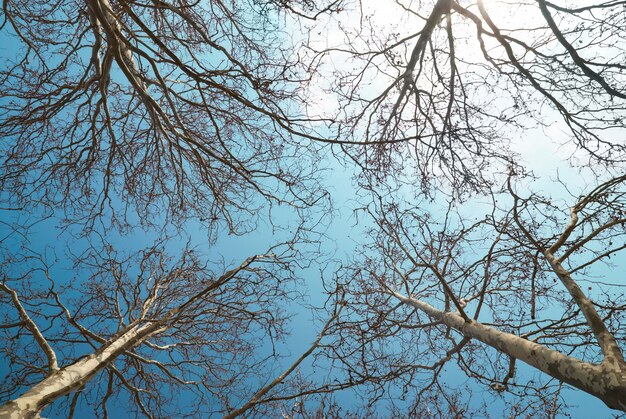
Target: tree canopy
[[179, 178]]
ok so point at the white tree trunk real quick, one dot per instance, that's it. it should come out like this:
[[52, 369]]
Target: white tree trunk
[[74, 376], [69, 378], [607, 381]]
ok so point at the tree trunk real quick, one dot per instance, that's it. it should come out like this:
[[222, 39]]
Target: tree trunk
[[72, 377], [606, 381]]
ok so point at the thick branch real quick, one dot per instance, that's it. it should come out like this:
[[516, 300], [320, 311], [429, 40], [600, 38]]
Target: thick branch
[[30, 324], [605, 339], [578, 60]]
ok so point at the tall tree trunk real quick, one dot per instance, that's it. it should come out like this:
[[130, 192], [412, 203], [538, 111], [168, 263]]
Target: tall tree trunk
[[607, 381], [72, 377]]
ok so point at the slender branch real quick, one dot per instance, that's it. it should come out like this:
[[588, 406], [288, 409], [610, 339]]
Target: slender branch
[[256, 399], [53, 365]]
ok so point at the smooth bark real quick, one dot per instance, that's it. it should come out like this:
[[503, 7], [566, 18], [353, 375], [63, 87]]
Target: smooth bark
[[607, 381], [70, 378]]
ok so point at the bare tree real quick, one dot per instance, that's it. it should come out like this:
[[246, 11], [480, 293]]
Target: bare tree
[[143, 328], [119, 114], [524, 283], [434, 111], [168, 109], [123, 113], [437, 90]]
